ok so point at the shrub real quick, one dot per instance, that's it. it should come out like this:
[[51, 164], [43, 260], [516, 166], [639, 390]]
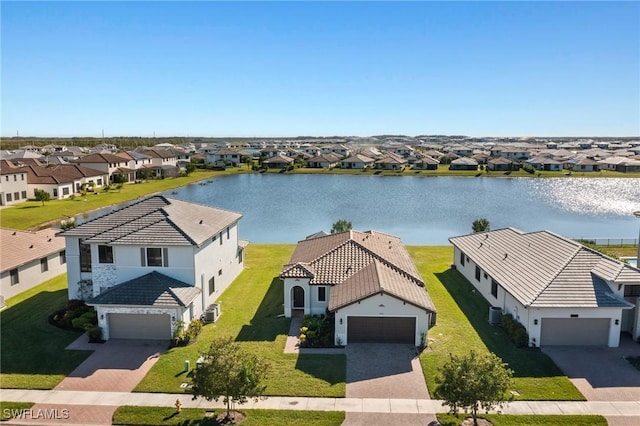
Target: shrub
[[529, 168], [517, 332], [317, 331], [95, 334], [85, 321]]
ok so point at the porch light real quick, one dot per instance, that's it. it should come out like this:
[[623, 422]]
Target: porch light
[[340, 321], [535, 322], [101, 316], [617, 321], [173, 317]]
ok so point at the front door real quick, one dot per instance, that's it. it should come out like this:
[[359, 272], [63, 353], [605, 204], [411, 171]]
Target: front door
[[298, 297]]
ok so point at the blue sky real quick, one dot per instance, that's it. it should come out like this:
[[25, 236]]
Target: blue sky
[[286, 69]]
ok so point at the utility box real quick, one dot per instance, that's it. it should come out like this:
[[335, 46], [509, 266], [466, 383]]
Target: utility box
[[495, 315]]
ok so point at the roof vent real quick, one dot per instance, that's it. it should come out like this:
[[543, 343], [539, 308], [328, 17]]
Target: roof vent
[[14, 233], [505, 256], [201, 221], [31, 246], [49, 240]]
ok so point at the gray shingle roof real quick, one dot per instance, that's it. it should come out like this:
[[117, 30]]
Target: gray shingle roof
[[156, 220], [542, 269], [153, 289], [358, 265]]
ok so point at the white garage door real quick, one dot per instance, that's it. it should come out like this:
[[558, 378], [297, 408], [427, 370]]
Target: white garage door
[[574, 331], [140, 326]]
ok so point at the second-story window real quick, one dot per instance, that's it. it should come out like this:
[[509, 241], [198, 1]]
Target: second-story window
[[155, 256], [85, 257], [105, 254]]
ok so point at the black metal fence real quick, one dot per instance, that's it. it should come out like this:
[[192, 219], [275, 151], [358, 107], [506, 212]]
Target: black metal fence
[[609, 242]]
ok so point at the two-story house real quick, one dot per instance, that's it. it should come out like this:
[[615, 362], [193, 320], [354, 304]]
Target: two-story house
[[152, 263], [13, 183]]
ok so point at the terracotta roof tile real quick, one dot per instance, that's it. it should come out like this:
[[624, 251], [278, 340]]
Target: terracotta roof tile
[[20, 247]]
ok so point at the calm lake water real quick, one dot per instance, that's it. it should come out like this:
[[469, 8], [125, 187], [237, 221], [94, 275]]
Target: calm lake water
[[420, 210]]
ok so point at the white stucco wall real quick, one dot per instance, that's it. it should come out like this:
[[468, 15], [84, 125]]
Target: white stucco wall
[[527, 316], [30, 275], [311, 304], [12, 184], [381, 305]]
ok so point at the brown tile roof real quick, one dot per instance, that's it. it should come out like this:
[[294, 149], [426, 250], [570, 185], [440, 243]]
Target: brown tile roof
[[100, 158], [20, 247], [279, 159], [357, 265], [156, 220], [358, 158], [59, 173], [542, 269]]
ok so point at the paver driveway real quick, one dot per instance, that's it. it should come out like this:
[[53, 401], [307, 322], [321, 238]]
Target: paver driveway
[[600, 373], [115, 366], [377, 370]]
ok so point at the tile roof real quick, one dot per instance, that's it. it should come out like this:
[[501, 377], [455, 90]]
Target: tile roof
[[542, 269], [59, 173], [153, 289], [358, 158], [20, 247], [357, 265], [99, 158], [156, 220]]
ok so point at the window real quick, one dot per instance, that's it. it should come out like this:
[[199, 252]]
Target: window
[[99, 183], [154, 256], [24, 195], [462, 258], [22, 177], [63, 257], [65, 190], [477, 273], [15, 178], [322, 294], [215, 237], [44, 265], [105, 254], [240, 253], [485, 275], [15, 279], [9, 197], [16, 195], [219, 272], [494, 288], [220, 238], [227, 233], [85, 257], [212, 285], [55, 192]]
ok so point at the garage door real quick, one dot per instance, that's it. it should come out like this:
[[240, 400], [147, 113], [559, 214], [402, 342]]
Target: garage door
[[381, 330], [140, 326], [574, 331]]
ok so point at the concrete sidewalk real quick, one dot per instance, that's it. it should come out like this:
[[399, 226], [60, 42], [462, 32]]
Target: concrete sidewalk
[[351, 405]]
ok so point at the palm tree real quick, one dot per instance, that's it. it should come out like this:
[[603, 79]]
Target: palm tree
[[481, 225]]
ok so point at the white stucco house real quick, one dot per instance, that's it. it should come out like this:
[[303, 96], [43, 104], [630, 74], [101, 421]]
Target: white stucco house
[[367, 280], [152, 263], [28, 259], [562, 292]]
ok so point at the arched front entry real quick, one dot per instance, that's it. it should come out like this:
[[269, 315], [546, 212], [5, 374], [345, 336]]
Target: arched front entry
[[297, 297]]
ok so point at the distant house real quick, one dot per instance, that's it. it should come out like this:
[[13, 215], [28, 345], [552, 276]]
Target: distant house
[[63, 180], [324, 161], [223, 156], [426, 163], [583, 164], [545, 163], [110, 164], [500, 164], [341, 150], [562, 292], [271, 152], [163, 162], [620, 164], [28, 259], [367, 280], [13, 183], [357, 161], [312, 150], [404, 151], [463, 163], [153, 263], [391, 161], [278, 162]]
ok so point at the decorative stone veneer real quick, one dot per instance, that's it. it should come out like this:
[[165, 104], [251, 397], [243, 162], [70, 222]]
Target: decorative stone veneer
[[103, 276], [104, 311]]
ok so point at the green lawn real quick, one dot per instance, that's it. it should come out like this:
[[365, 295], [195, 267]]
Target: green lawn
[[462, 325], [154, 416], [250, 309], [33, 354], [514, 420], [30, 214]]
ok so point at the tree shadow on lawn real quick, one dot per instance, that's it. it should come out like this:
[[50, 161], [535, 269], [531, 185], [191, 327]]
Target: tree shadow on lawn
[[30, 345], [330, 368], [266, 325], [525, 362]]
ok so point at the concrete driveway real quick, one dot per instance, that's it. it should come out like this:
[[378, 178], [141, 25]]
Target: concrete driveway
[[600, 373]]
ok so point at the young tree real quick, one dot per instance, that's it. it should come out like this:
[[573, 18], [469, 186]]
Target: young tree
[[341, 226], [474, 382], [190, 168], [481, 225], [42, 195], [229, 372]]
